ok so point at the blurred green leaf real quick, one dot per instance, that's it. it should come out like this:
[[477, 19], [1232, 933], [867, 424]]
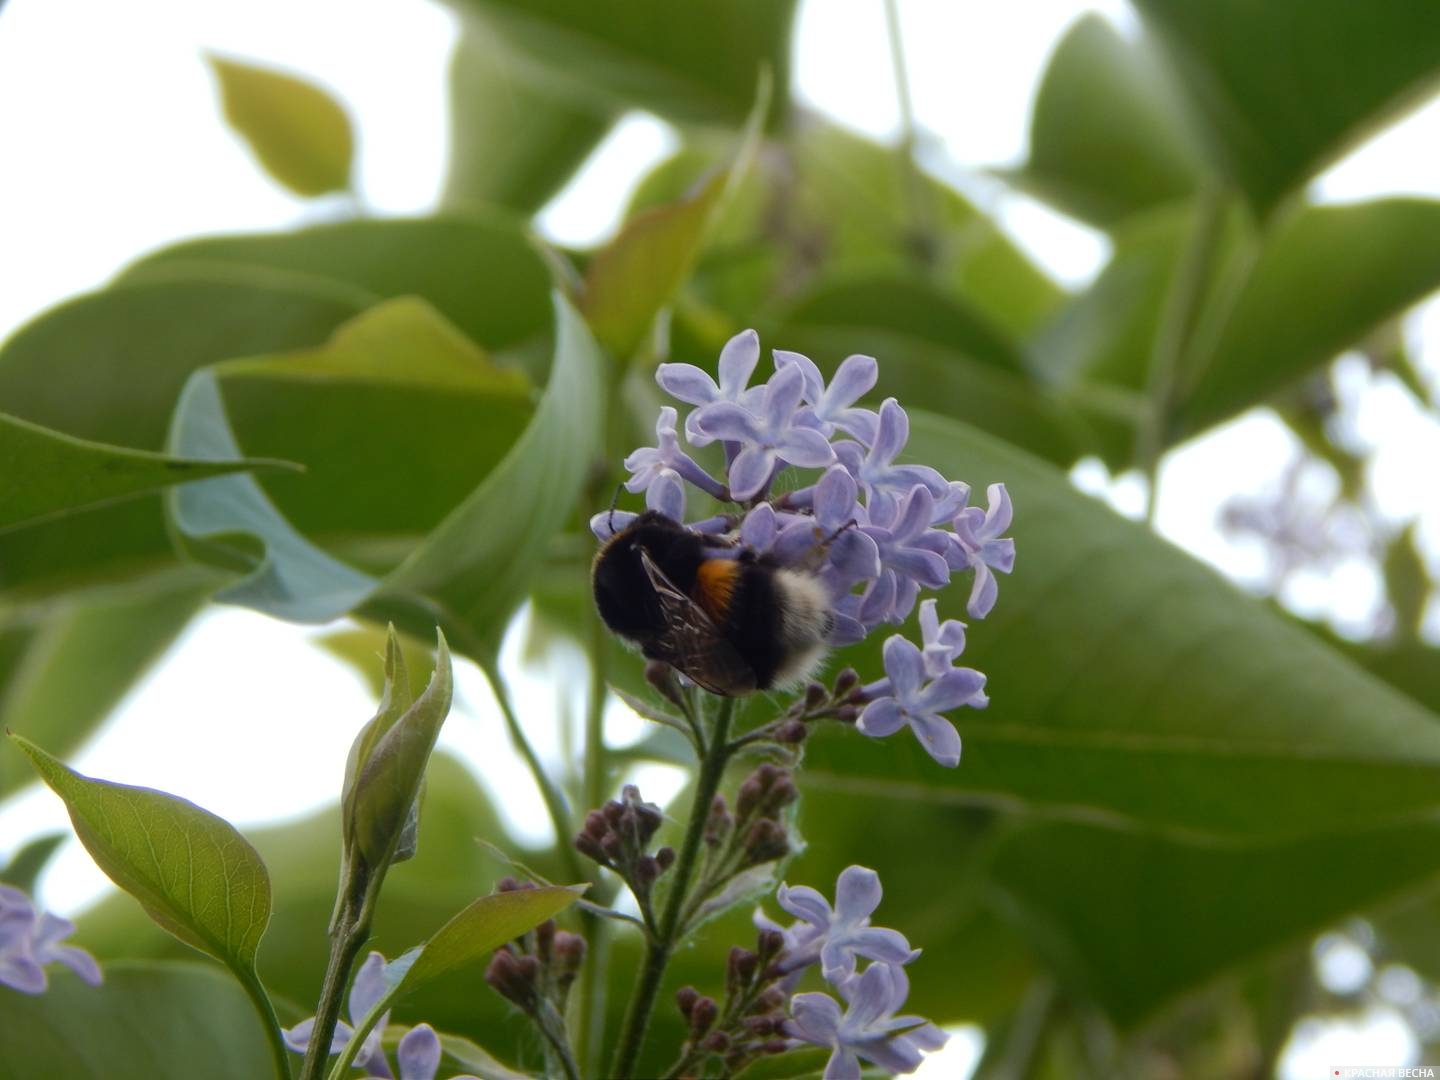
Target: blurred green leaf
[[79, 660], [1407, 581], [48, 474], [1323, 281], [472, 567], [109, 367], [26, 865], [515, 138], [1134, 920], [299, 133], [479, 270], [631, 278], [1129, 683], [934, 348], [1282, 90], [1107, 134], [690, 63], [147, 1021], [193, 873]]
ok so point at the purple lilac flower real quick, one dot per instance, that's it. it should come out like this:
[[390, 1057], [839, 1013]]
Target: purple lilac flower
[[419, 1054], [868, 1028], [29, 940], [979, 546], [875, 470], [649, 463], [687, 383], [367, 989], [835, 937], [767, 432], [832, 407], [911, 694]]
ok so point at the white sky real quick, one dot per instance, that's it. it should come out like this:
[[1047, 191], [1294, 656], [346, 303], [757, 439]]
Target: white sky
[[109, 121]]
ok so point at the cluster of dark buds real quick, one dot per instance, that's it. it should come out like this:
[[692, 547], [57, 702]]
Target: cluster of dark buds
[[618, 835], [753, 836], [842, 701], [750, 1024]]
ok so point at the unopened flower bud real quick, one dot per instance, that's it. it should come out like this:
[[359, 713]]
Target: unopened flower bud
[[763, 1025], [647, 869], [718, 824], [507, 884], [791, 732], [847, 680], [815, 696], [595, 824], [770, 999], [686, 997], [774, 1046], [717, 1042], [769, 944], [765, 842], [514, 978], [545, 940], [847, 714], [740, 969], [569, 952], [702, 1016], [666, 858], [661, 676]]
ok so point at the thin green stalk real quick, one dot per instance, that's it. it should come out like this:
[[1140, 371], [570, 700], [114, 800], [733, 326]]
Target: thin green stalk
[[590, 1010], [350, 935], [917, 193], [1172, 340], [279, 1052], [554, 801], [659, 948]]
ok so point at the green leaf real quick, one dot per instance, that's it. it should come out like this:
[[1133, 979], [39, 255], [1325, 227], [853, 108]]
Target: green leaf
[[1132, 920], [1282, 90], [473, 565], [690, 63], [515, 138], [389, 775], [297, 131], [1323, 281], [631, 278], [147, 1021], [1407, 582], [480, 271], [74, 664], [1131, 684], [109, 366], [26, 864], [194, 874], [935, 348], [48, 474], [1107, 134], [469, 937], [359, 648]]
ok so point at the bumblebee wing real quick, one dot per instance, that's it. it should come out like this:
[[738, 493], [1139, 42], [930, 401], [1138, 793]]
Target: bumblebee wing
[[692, 643]]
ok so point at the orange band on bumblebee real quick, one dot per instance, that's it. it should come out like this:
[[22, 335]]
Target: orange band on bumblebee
[[715, 585]]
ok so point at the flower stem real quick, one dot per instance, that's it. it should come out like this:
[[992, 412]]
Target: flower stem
[[659, 947], [590, 1012], [352, 930], [279, 1052]]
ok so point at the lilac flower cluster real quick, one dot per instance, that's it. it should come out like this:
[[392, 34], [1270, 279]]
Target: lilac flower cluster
[[875, 531], [837, 938], [418, 1054], [29, 940]]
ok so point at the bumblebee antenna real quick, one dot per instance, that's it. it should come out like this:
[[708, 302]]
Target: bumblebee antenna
[[610, 519], [851, 524]]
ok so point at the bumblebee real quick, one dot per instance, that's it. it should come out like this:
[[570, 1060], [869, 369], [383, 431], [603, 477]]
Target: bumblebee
[[728, 619]]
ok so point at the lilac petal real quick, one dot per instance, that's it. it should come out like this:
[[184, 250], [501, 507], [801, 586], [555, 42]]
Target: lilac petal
[[886, 946], [419, 1053], [846, 631], [915, 511], [862, 423], [982, 593], [870, 997], [923, 566], [726, 420], [879, 600], [893, 433], [951, 690], [999, 555], [782, 398], [795, 541], [76, 959], [816, 1018], [368, 987], [687, 383], [855, 555], [814, 382], [857, 894], [893, 1053], [834, 499], [805, 448], [907, 591], [998, 517], [843, 1065], [666, 495], [854, 378], [298, 1037], [881, 717], [837, 963], [750, 472], [608, 522], [939, 738], [851, 455], [804, 903], [927, 1037], [20, 971], [905, 665], [948, 506], [737, 363], [759, 529]]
